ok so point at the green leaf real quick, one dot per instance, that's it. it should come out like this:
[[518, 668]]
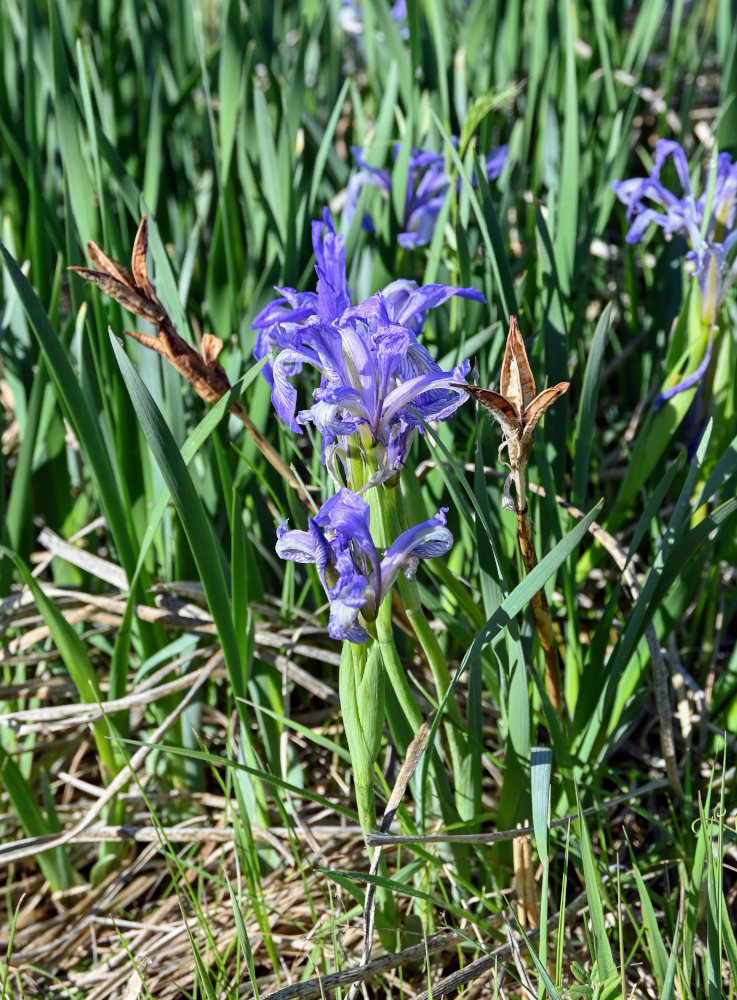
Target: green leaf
[[566, 226], [70, 647], [25, 806], [325, 147], [658, 955], [541, 762], [189, 508], [189, 449], [240, 926], [586, 419], [68, 122], [78, 412], [592, 883]]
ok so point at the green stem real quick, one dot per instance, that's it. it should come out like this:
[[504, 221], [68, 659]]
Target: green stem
[[394, 669], [362, 703], [452, 725], [410, 594], [430, 645]]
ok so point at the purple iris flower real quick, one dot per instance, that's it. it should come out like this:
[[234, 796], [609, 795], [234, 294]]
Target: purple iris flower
[[427, 186], [356, 579], [378, 382], [711, 239]]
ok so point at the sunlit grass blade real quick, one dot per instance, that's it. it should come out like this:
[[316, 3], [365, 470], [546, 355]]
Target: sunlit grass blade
[[596, 897]]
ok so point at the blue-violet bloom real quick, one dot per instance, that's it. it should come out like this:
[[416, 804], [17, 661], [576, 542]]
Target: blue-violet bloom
[[378, 382], [355, 577], [427, 185], [710, 239]]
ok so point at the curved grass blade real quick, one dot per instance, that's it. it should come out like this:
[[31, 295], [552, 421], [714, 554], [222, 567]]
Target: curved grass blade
[[79, 414], [189, 508], [402, 888], [512, 605], [652, 927], [587, 408], [602, 949]]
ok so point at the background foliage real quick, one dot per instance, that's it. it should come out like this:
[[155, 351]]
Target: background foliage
[[231, 125]]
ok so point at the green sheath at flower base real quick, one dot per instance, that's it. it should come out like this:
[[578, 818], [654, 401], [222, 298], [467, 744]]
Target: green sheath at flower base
[[362, 704]]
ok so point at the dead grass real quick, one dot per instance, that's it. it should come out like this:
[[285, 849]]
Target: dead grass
[[136, 933]]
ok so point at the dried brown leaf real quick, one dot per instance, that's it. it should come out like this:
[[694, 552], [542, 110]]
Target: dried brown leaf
[[127, 295], [501, 408], [104, 263], [517, 382], [211, 348], [516, 408], [138, 261], [539, 405]]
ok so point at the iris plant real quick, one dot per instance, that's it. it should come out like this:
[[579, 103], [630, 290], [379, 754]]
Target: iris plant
[[378, 382], [427, 186], [707, 223]]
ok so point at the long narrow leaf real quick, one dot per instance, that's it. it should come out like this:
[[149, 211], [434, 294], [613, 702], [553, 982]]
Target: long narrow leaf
[[77, 411], [188, 505]]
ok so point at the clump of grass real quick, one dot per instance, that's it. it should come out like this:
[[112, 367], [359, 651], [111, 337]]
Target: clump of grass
[[177, 810]]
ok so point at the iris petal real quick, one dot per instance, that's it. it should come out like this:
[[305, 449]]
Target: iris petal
[[427, 186], [371, 363], [339, 542], [649, 201], [427, 540], [686, 383]]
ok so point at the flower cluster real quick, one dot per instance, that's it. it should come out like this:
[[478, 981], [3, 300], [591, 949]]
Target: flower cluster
[[707, 224], [356, 579], [427, 185], [378, 384]]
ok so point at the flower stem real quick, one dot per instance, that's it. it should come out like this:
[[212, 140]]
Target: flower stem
[[553, 680], [453, 725], [394, 669], [362, 704], [391, 513]]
